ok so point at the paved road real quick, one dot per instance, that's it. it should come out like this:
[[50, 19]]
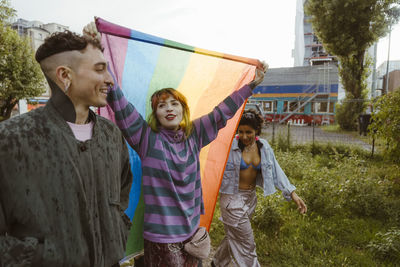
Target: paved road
[[304, 134]]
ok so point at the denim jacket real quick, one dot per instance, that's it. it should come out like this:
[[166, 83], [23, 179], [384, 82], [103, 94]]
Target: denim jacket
[[270, 177]]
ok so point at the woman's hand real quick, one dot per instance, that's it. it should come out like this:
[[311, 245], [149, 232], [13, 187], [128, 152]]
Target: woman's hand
[[299, 202], [90, 30], [259, 77]]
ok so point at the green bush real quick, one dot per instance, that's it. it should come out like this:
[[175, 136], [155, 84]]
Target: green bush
[[352, 201], [386, 123], [386, 245], [365, 197], [282, 143], [267, 217], [347, 113], [293, 163]]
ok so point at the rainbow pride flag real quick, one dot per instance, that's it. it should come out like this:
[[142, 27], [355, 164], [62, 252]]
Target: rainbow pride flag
[[144, 63]]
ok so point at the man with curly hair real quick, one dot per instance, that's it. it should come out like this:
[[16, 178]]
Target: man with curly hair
[[64, 171]]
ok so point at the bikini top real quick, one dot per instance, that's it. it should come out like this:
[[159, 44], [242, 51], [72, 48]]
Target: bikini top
[[244, 165]]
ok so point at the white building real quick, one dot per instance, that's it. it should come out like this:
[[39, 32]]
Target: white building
[[308, 49], [37, 31]]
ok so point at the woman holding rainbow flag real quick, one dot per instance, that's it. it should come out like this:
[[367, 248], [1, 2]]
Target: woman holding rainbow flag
[[168, 145]]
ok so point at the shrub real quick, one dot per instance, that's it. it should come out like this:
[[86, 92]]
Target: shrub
[[386, 123], [282, 143], [366, 197], [386, 246], [267, 217], [352, 202], [293, 163], [347, 113]]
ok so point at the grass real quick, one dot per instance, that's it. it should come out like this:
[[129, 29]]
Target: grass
[[333, 128], [353, 217]]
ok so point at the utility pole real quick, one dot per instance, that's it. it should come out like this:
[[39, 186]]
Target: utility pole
[[387, 65]]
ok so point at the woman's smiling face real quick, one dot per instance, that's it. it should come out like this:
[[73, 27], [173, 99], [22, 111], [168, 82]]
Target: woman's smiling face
[[169, 112], [247, 134]]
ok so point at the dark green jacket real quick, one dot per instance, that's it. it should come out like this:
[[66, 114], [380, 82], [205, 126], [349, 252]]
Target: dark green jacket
[[62, 201]]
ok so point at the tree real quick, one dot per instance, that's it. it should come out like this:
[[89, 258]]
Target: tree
[[7, 13], [386, 122], [347, 28], [20, 74]]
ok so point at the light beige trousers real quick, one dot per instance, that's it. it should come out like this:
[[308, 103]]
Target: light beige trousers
[[238, 246]]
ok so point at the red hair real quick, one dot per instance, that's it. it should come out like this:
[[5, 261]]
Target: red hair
[[162, 94]]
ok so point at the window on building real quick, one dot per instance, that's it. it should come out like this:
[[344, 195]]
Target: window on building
[[285, 106], [331, 107], [292, 106], [301, 110], [269, 106], [40, 36], [322, 107], [315, 107], [315, 39]]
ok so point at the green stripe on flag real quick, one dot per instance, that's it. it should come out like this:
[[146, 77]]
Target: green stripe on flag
[[135, 239]]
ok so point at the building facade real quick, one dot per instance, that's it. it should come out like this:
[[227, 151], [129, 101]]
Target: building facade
[[36, 31], [393, 82], [307, 92], [308, 49], [300, 95], [382, 70]]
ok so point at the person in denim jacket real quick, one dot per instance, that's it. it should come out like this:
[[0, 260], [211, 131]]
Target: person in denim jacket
[[251, 163]]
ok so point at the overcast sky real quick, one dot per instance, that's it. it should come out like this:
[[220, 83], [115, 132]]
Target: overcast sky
[[262, 29]]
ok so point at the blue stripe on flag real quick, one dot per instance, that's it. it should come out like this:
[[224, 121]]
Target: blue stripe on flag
[[134, 194], [140, 60]]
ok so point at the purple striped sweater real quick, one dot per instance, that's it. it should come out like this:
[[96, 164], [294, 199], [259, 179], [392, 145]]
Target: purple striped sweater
[[171, 166]]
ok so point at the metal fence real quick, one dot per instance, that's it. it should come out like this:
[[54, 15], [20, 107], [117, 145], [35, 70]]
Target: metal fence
[[311, 134]]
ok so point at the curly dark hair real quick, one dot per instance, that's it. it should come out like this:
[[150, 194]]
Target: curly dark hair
[[253, 119], [60, 42]]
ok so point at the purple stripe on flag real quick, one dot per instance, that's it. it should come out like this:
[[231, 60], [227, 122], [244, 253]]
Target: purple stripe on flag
[[108, 27]]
